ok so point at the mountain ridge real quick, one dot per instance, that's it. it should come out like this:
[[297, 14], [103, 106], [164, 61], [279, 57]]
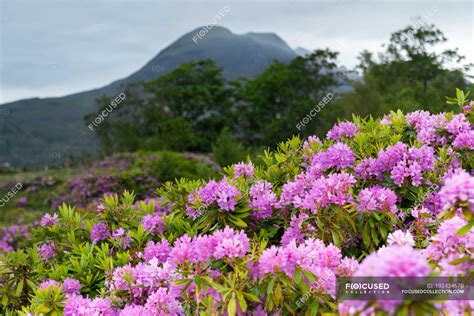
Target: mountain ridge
[[44, 131]]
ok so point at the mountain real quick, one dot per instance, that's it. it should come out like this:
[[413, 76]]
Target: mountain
[[37, 132], [303, 52]]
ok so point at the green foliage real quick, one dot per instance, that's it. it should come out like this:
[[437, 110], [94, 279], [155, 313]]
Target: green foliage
[[169, 166], [188, 108], [227, 150]]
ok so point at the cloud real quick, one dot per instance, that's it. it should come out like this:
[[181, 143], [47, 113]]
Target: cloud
[[54, 48]]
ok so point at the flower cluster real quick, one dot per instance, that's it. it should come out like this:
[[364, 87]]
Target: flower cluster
[[342, 129], [312, 255], [222, 193], [394, 199]]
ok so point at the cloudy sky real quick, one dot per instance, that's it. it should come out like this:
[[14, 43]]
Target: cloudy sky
[[53, 48]]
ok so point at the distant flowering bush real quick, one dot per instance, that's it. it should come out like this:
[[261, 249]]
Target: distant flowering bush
[[390, 197]]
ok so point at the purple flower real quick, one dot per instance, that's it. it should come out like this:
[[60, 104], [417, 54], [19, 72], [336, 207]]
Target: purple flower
[[342, 129], [163, 302], [71, 286], [334, 189], [447, 242], [49, 220], [222, 193], [22, 201], [153, 223], [122, 237], [136, 310], [377, 198], [337, 156], [49, 283], [243, 170], [262, 200], [365, 169], [464, 140], [47, 250], [99, 232], [389, 158], [400, 238], [458, 124], [458, 189], [160, 250], [76, 305], [393, 261], [404, 171], [230, 243], [298, 230]]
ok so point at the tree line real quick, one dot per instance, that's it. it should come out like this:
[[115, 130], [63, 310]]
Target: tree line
[[194, 108]]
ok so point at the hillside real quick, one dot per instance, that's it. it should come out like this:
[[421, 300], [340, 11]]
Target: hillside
[[36, 132]]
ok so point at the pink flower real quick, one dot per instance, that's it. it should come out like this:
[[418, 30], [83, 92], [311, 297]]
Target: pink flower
[[49, 283], [222, 193], [377, 198], [446, 241], [160, 250], [71, 286], [400, 238], [459, 188], [243, 170], [337, 156], [49, 220], [99, 232], [262, 200], [162, 302], [153, 223], [230, 243], [48, 250], [342, 129], [464, 140], [122, 237]]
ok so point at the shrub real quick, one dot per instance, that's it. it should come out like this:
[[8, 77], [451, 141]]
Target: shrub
[[227, 150], [386, 197]]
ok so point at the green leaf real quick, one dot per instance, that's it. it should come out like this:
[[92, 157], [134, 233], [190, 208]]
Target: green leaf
[[270, 286], [365, 235], [242, 302], [335, 238], [252, 297], [44, 309], [237, 221], [465, 229], [231, 307], [19, 288]]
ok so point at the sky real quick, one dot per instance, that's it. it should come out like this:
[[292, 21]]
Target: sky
[[54, 48]]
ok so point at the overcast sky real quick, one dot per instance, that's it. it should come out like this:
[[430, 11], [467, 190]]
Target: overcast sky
[[54, 48]]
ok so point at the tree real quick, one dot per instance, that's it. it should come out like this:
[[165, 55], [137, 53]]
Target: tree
[[411, 71], [271, 105]]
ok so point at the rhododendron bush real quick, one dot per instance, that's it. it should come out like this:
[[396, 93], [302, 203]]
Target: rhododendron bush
[[378, 197]]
